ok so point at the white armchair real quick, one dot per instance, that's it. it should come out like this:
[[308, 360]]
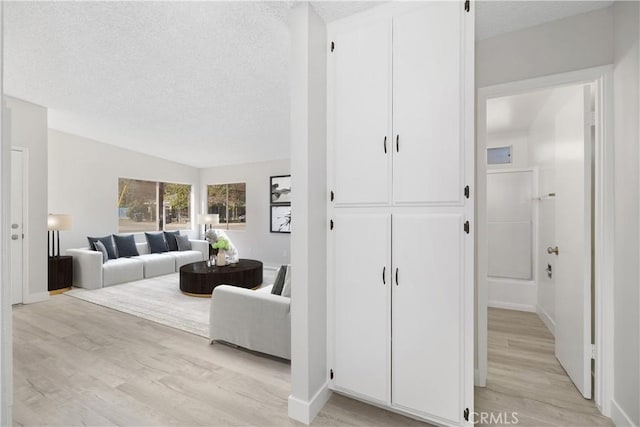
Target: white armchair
[[256, 320]]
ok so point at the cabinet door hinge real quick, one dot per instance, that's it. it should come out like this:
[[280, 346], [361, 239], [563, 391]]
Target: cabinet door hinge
[[331, 374], [333, 46], [466, 191], [466, 227], [331, 224], [332, 196], [467, 5], [466, 414]]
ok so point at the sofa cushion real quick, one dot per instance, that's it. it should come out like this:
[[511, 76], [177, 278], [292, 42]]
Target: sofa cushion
[[183, 243], [279, 282], [186, 257], [126, 245], [99, 246], [107, 242], [158, 264], [156, 242], [170, 237], [122, 270]]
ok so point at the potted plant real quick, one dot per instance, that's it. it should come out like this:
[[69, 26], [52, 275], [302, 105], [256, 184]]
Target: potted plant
[[221, 245]]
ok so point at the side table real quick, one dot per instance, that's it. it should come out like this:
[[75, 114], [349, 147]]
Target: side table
[[60, 274]]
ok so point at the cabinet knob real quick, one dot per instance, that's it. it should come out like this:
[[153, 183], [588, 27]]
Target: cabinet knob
[[398, 143], [385, 144], [384, 274], [397, 276]]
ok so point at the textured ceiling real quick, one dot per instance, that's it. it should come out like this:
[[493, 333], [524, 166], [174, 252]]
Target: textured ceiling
[[201, 83], [499, 17]]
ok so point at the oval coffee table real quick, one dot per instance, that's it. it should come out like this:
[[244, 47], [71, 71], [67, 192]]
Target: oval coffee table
[[197, 279]]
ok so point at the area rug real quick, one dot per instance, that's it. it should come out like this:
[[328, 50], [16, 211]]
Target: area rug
[[157, 299]]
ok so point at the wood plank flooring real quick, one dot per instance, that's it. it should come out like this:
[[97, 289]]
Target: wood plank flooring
[[525, 377], [76, 363]]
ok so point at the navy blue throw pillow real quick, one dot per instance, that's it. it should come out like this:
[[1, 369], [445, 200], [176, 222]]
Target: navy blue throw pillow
[[107, 242], [279, 283], [170, 237], [156, 243], [126, 245]]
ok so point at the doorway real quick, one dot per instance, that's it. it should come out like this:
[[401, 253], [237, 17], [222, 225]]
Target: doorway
[[541, 207], [19, 260]]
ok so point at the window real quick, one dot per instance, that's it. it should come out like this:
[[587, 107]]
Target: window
[[229, 201], [138, 203], [498, 155]]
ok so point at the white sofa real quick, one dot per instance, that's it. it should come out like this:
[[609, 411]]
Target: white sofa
[[90, 272], [256, 320]]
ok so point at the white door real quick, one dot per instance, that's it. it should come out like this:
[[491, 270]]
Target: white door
[[361, 108], [361, 258], [427, 315], [427, 107], [573, 240], [17, 242]]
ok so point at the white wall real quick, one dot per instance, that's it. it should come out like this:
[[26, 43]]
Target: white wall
[[28, 129], [573, 43], [626, 394], [256, 241], [83, 182], [309, 390]]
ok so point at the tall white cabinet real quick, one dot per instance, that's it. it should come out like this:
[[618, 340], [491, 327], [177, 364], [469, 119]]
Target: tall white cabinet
[[400, 177]]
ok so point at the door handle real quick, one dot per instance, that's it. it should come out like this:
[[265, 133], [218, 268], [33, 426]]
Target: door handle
[[397, 276], [397, 143], [14, 237], [385, 144], [553, 250], [384, 273]]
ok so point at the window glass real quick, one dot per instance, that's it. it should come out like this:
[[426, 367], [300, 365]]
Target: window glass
[[229, 201], [138, 203]]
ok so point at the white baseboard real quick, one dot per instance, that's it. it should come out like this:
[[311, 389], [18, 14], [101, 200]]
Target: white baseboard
[[619, 417], [305, 412], [512, 306], [547, 320], [33, 298]]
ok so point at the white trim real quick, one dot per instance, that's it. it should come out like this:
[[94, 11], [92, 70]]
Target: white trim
[[619, 417], [604, 233], [506, 305], [305, 412], [38, 297], [546, 319], [25, 222]]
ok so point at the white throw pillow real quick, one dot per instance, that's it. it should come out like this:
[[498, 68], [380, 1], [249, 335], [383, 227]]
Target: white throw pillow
[[286, 289]]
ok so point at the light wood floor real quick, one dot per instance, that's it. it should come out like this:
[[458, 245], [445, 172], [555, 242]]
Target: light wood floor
[[76, 363], [525, 377]]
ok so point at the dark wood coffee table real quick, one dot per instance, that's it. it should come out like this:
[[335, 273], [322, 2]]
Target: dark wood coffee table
[[197, 279]]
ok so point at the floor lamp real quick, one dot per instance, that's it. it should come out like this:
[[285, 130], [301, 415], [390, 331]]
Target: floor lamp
[[55, 224]]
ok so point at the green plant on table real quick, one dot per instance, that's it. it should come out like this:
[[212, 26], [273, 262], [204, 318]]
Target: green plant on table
[[221, 243]]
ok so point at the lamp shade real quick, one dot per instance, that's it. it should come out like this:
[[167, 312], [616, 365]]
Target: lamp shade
[[58, 222], [213, 219]]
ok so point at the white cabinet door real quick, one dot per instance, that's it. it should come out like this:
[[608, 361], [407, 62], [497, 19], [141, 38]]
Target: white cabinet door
[[360, 105], [361, 307], [427, 315], [427, 105]]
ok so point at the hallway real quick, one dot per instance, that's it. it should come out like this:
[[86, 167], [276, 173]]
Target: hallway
[[525, 377]]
